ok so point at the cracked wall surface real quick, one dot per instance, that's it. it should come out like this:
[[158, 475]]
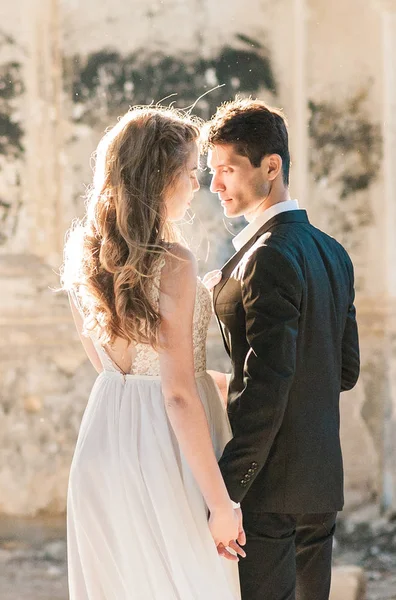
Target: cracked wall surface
[[69, 70]]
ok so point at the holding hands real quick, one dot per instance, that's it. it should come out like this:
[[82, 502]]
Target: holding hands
[[226, 527]]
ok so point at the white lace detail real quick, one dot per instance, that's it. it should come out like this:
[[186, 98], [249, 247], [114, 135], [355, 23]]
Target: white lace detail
[[147, 360], [202, 316]]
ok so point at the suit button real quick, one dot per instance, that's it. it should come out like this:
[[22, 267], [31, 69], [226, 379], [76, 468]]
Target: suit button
[[254, 465], [247, 476], [251, 471]]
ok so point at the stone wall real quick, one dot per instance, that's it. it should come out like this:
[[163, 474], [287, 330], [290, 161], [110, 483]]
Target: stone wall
[[69, 69]]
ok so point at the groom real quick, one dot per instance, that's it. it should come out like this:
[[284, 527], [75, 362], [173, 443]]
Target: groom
[[286, 314]]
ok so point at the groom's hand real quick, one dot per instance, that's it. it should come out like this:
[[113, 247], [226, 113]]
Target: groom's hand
[[235, 545], [225, 552], [241, 539], [211, 279]]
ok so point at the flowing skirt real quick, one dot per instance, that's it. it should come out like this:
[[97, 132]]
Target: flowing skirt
[[137, 522]]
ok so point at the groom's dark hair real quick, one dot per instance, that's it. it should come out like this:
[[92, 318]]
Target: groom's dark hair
[[253, 128]]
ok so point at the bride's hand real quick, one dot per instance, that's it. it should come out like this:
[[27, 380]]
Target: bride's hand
[[224, 525], [211, 279]]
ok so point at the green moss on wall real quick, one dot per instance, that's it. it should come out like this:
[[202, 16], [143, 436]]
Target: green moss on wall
[[346, 148], [11, 87], [106, 83], [345, 160]]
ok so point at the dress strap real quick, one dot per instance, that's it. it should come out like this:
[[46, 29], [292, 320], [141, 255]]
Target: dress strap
[[72, 293]]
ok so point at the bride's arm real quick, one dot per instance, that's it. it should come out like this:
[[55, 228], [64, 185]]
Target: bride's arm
[[86, 341], [183, 405]]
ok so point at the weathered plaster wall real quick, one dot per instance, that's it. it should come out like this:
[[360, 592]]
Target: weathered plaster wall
[[71, 69]]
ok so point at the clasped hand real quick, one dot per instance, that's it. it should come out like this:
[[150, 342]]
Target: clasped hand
[[232, 549]]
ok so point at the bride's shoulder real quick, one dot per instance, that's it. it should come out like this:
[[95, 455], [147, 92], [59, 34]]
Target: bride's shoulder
[[179, 274], [179, 258]]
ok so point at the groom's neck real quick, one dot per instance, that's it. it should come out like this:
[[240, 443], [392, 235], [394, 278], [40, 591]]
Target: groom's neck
[[275, 197]]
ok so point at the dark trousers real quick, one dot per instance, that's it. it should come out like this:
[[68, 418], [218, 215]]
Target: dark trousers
[[288, 556]]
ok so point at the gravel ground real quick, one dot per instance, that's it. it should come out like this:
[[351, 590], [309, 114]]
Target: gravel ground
[[33, 560], [33, 556], [365, 540]]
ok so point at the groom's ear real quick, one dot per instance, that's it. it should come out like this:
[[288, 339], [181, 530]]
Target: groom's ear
[[272, 164]]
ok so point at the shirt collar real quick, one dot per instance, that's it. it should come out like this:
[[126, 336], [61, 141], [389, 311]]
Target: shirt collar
[[248, 232]]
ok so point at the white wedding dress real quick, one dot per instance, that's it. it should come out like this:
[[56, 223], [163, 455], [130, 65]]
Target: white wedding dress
[[137, 522]]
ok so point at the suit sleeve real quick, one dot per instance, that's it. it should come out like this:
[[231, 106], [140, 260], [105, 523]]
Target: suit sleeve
[[271, 294], [350, 343]]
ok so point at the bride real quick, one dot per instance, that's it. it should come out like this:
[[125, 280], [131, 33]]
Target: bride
[[144, 474]]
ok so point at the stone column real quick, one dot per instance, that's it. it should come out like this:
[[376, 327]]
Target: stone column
[[43, 370], [388, 16], [44, 138], [299, 135]]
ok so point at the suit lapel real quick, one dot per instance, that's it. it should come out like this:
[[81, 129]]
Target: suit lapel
[[291, 216], [228, 268]]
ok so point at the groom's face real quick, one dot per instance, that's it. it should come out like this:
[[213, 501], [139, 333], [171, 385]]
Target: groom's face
[[240, 186]]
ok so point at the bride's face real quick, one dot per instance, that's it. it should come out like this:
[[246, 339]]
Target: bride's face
[[179, 198]]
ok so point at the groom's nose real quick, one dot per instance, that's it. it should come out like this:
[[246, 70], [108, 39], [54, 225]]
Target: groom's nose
[[216, 185]]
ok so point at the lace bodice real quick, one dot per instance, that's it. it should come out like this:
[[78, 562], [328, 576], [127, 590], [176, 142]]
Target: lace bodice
[[146, 361]]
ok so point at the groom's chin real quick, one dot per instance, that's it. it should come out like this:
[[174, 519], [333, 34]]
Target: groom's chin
[[230, 213], [228, 210]]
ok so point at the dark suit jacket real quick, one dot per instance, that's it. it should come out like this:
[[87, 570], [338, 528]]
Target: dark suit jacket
[[286, 313]]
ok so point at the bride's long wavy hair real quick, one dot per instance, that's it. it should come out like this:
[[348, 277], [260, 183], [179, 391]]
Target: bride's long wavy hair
[[112, 254]]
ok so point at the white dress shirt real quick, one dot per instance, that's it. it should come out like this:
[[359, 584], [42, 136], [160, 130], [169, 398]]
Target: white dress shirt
[[248, 232]]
